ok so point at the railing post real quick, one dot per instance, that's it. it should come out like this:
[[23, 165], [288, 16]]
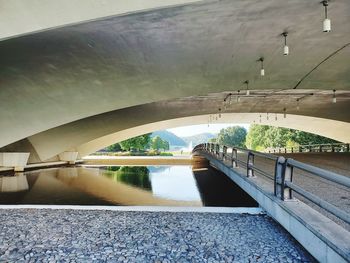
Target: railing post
[[287, 177], [279, 168], [224, 152], [283, 173], [234, 158], [250, 165]]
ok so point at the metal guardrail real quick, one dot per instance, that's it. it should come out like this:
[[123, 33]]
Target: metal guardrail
[[283, 174], [328, 147]]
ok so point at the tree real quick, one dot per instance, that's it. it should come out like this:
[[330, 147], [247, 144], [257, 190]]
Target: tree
[[113, 148], [157, 143], [139, 142], [262, 136], [232, 136]]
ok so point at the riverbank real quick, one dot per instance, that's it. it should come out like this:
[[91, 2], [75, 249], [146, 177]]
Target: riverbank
[[114, 236], [138, 160]]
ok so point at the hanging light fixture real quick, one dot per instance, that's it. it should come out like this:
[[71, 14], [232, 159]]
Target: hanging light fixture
[[247, 83], [260, 118], [326, 21], [238, 97], [219, 112], [334, 99], [298, 107], [285, 48], [262, 70], [284, 113]]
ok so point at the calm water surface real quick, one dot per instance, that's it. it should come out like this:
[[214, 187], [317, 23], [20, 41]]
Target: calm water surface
[[179, 185]]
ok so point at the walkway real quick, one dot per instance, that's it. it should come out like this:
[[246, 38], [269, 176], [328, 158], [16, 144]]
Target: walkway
[[115, 236]]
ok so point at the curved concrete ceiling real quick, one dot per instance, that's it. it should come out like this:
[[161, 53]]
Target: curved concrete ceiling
[[51, 80], [21, 17], [316, 114]]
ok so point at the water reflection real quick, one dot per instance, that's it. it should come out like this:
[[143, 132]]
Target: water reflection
[[132, 175], [120, 185], [16, 183]]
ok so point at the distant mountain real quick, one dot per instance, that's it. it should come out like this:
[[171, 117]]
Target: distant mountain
[[170, 137], [198, 138]]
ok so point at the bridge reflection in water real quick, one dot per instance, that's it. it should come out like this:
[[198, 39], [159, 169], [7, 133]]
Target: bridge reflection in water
[[177, 185]]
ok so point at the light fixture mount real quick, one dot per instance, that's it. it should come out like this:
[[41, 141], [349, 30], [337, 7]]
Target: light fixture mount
[[247, 83], [285, 48], [326, 21], [262, 70]]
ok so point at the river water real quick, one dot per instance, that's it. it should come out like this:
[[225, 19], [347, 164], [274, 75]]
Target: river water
[[178, 185]]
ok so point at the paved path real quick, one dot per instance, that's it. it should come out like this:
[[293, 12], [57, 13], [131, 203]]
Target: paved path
[[331, 192], [32, 235]]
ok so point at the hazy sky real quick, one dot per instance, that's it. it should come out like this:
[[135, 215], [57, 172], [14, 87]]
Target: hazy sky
[[196, 129]]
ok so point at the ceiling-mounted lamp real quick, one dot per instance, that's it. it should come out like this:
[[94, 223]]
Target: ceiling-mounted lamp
[[298, 107], [326, 21], [262, 70], [285, 48], [219, 112], [247, 83], [334, 99]]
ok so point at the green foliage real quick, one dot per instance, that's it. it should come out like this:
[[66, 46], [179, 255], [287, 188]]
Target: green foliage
[[232, 136], [165, 154], [213, 140], [157, 143], [169, 137], [138, 143], [261, 137], [114, 148]]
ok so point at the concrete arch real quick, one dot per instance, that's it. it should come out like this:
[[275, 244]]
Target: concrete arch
[[55, 78], [316, 114], [340, 130]]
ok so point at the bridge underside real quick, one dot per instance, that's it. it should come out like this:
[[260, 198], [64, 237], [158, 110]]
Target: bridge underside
[[79, 87]]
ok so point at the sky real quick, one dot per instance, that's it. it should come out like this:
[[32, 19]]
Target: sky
[[197, 129]]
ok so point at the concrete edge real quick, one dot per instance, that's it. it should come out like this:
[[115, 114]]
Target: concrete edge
[[310, 235], [36, 166], [174, 209]]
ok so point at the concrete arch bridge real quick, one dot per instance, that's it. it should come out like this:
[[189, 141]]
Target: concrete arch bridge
[[104, 72]]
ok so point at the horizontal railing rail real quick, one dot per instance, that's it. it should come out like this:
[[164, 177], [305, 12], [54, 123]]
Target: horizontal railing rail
[[282, 175], [326, 147]]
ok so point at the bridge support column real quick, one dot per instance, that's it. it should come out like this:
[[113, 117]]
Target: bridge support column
[[17, 160], [69, 157]]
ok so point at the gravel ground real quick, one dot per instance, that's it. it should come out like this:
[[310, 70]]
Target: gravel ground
[[32, 235]]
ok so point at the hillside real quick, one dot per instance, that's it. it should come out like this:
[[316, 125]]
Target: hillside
[[170, 137], [198, 138]]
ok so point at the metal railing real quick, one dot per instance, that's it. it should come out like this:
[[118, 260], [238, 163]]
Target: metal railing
[[327, 147], [282, 175]]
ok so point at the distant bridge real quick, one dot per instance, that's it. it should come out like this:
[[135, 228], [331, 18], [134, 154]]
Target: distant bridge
[[274, 185]]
